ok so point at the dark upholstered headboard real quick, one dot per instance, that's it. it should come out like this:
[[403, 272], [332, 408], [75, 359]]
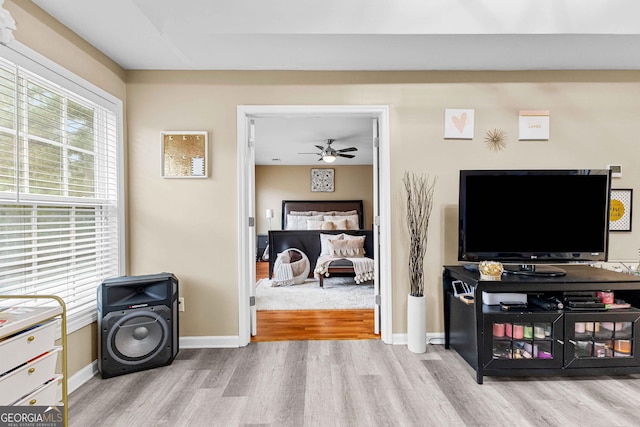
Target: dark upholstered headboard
[[322, 206]]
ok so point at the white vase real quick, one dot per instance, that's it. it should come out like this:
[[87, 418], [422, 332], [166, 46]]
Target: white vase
[[416, 325]]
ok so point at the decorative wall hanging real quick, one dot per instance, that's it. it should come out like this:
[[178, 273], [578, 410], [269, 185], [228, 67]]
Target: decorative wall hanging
[[184, 154], [620, 209], [496, 139], [458, 124], [534, 125], [322, 180]]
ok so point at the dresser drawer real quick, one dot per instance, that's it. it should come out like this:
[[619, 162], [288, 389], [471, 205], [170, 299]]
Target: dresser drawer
[[24, 346], [48, 395], [17, 384]]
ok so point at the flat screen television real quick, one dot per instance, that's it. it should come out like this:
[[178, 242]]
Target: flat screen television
[[528, 218]]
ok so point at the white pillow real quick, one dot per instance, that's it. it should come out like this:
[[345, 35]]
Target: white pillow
[[352, 221], [347, 248], [346, 236], [324, 242], [295, 222], [327, 225]]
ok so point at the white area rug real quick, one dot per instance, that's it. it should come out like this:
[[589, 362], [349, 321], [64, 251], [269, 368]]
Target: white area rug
[[338, 293]]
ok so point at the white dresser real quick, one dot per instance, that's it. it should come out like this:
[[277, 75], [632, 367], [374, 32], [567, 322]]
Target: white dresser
[[32, 367]]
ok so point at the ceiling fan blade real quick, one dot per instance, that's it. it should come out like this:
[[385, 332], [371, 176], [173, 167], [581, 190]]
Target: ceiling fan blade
[[345, 150], [320, 147], [348, 156]]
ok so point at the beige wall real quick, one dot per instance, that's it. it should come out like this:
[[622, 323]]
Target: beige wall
[[180, 225], [189, 227], [40, 32], [277, 183]]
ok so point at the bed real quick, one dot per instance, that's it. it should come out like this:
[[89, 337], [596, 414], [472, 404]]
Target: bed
[[314, 241]]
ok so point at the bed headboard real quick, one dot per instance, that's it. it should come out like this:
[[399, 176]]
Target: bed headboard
[[323, 206]]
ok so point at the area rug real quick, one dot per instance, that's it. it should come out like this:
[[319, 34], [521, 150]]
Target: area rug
[[337, 293]]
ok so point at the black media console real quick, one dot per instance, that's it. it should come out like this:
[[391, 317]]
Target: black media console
[[536, 341]]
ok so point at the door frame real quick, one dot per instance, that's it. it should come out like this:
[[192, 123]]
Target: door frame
[[246, 209]]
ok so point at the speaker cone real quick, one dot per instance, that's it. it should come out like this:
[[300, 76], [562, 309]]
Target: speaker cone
[[137, 337]]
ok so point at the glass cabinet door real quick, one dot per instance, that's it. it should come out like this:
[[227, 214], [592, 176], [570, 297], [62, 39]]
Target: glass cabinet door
[[523, 340], [602, 338]]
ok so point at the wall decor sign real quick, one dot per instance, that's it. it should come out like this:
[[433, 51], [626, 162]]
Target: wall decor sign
[[184, 154], [322, 180], [534, 125], [620, 209], [458, 124]]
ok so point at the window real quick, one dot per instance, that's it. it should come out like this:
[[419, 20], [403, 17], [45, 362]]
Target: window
[[59, 200]]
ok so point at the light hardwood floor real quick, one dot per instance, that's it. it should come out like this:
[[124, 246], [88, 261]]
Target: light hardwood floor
[[345, 383], [285, 325]]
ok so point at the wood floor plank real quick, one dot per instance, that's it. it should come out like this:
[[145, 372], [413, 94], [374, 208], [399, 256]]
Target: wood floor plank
[[285, 325], [345, 383]]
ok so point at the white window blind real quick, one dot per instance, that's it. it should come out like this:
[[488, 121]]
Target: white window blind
[[59, 222]]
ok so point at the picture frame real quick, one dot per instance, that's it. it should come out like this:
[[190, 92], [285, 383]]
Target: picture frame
[[185, 154], [322, 180], [620, 209], [533, 125], [458, 123]]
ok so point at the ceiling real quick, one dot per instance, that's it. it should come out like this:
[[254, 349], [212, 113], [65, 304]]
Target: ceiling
[[358, 34], [353, 35], [280, 140]]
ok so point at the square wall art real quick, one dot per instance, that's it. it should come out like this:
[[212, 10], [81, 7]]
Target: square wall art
[[533, 125], [322, 180], [458, 124]]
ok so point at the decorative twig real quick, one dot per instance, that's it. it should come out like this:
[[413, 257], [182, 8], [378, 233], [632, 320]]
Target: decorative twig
[[496, 139], [419, 192]]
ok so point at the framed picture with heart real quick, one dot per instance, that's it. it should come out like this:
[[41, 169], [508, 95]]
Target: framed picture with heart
[[458, 124]]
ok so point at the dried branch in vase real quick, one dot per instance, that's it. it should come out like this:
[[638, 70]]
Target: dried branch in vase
[[419, 191]]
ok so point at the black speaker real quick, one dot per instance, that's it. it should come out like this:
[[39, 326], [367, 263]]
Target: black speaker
[[137, 322]]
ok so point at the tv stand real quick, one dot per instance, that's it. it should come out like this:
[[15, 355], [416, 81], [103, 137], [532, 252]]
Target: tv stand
[[535, 270], [534, 341]]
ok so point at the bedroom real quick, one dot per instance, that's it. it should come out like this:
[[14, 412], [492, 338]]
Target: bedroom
[[286, 152]]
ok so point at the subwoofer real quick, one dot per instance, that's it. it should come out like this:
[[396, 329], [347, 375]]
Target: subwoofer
[[137, 323]]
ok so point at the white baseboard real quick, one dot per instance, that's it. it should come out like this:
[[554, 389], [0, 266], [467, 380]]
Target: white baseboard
[[82, 376], [210, 342], [432, 338]]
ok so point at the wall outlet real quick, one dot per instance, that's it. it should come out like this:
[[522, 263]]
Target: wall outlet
[[180, 304]]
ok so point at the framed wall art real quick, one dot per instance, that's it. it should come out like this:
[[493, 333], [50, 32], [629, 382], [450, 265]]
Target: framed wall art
[[533, 125], [184, 154], [620, 209], [322, 180], [458, 124]]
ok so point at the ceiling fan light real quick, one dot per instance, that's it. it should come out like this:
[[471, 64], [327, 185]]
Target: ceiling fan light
[[329, 158]]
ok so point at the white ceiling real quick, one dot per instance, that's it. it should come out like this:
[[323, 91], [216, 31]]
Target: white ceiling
[[353, 35], [284, 138], [358, 34]]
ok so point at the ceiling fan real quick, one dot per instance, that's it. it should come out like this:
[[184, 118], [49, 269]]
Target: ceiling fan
[[330, 154]]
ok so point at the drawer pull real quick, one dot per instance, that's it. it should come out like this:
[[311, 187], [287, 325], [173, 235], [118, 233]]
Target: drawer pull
[[32, 402], [32, 370], [31, 338]]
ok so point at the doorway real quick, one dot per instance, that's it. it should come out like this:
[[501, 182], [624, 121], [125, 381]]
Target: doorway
[[247, 210]]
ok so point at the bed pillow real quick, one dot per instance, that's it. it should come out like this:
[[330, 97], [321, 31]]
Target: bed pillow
[[327, 225], [346, 236], [352, 248], [352, 221], [302, 213], [324, 242], [345, 213], [295, 222]]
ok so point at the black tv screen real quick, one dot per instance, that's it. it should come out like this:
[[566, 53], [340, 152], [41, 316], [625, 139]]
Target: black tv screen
[[534, 216]]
